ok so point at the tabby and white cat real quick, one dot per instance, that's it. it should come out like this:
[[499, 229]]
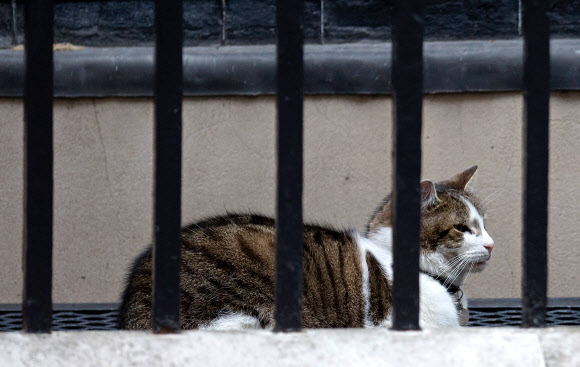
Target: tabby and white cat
[[227, 268]]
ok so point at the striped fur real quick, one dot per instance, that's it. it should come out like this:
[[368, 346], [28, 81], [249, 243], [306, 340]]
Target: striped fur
[[228, 267]]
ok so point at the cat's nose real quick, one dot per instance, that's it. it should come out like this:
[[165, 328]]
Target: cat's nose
[[488, 246]]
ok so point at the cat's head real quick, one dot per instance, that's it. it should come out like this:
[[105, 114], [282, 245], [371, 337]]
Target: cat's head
[[453, 237]]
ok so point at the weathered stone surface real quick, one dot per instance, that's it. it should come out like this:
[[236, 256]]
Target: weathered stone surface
[[560, 346], [444, 19], [122, 23], [201, 22], [565, 18], [5, 24], [254, 21], [131, 22]]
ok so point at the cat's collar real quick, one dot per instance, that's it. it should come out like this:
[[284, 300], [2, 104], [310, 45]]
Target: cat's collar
[[451, 288]]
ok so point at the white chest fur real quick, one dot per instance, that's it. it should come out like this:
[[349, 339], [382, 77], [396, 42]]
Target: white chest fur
[[436, 306]]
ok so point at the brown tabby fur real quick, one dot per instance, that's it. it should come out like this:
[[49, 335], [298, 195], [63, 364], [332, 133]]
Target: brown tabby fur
[[227, 265]]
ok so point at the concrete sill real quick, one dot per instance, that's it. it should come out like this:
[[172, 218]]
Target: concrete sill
[[323, 347]]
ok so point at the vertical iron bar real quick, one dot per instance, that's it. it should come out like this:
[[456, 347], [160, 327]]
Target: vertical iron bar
[[535, 161], [289, 240], [167, 211], [407, 79], [38, 167]]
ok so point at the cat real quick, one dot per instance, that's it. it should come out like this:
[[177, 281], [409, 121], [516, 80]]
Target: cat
[[227, 268]]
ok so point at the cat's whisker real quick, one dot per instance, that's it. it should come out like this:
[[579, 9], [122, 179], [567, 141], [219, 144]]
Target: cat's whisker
[[485, 206], [491, 201], [460, 268], [441, 274], [449, 282], [469, 272], [450, 278], [491, 196], [458, 272], [451, 264], [455, 260]]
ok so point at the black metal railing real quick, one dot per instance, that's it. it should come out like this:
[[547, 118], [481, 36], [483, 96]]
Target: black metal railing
[[536, 134], [38, 167], [167, 201], [289, 241], [407, 80]]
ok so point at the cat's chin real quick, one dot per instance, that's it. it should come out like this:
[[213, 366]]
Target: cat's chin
[[478, 266]]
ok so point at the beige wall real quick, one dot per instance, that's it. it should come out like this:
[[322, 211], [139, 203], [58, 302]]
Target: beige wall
[[103, 177]]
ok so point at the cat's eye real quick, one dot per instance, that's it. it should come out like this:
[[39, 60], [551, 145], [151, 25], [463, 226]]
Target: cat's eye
[[462, 228]]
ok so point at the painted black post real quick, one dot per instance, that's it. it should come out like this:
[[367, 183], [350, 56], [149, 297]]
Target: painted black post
[[289, 240], [167, 200], [536, 133], [38, 167], [407, 79]]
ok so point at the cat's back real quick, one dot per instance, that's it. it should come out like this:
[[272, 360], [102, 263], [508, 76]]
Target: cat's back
[[240, 239]]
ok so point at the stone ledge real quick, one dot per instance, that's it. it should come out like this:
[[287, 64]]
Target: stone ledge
[[450, 67], [354, 347]]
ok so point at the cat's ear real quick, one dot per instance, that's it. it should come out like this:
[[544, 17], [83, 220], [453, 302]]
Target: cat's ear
[[460, 181], [428, 194]]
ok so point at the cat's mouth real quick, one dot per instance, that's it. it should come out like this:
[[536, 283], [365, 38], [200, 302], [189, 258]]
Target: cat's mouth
[[481, 261]]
